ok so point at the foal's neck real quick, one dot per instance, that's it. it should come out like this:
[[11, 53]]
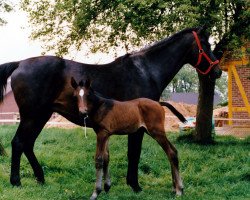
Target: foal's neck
[[98, 105]]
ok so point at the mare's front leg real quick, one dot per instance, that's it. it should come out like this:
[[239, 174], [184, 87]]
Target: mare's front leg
[[102, 141], [134, 152]]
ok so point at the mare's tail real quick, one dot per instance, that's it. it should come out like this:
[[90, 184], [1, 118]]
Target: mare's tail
[[174, 111], [5, 71]]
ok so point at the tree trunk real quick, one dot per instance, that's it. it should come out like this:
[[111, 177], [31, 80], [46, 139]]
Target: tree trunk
[[203, 129], [2, 151]]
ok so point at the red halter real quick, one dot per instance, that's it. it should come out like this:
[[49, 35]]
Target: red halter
[[202, 53]]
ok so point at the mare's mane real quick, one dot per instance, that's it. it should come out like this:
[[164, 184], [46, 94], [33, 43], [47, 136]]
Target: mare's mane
[[156, 45], [167, 40]]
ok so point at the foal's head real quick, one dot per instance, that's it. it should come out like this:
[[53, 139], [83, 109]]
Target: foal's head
[[81, 91]]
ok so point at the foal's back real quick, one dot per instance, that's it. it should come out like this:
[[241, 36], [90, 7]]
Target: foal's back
[[128, 116]]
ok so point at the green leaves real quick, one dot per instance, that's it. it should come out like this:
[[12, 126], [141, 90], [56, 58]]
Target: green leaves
[[129, 23], [5, 6]]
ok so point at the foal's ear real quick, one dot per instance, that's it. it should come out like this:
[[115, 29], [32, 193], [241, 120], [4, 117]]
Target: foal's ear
[[81, 83], [73, 83], [87, 83]]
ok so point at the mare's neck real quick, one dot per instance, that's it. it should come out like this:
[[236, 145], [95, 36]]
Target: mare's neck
[[165, 61]]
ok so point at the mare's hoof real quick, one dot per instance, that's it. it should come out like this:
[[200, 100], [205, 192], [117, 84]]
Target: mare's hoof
[[136, 188], [107, 187], [134, 185], [15, 182], [40, 181]]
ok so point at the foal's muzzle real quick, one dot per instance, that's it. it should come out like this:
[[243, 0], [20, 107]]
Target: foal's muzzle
[[83, 112]]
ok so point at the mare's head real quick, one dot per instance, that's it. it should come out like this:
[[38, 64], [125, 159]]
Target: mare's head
[[81, 91], [202, 57]]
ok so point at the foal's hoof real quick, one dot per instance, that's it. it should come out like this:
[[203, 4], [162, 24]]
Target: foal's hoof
[[107, 187], [178, 192]]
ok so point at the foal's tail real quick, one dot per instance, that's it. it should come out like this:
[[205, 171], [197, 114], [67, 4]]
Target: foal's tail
[[174, 111], [5, 71]]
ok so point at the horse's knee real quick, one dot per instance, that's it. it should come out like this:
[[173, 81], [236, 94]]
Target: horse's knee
[[17, 145], [99, 162]]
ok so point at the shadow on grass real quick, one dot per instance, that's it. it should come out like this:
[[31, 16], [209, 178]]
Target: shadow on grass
[[217, 140]]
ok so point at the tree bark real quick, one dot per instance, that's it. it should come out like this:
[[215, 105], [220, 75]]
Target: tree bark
[[203, 129]]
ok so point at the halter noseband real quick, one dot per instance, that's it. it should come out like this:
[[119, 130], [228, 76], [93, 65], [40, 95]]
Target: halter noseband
[[202, 53]]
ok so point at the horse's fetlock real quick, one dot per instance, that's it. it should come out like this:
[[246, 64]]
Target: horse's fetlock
[[107, 187], [98, 190]]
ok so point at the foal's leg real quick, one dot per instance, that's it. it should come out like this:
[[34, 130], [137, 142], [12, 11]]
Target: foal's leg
[[107, 181], [27, 132], [102, 139], [171, 152]]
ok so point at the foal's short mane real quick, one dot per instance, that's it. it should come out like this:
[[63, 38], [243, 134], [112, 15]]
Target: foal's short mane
[[166, 40]]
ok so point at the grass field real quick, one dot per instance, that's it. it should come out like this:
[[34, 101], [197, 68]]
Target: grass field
[[219, 171]]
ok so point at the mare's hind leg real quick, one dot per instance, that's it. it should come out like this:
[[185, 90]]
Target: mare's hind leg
[[171, 152], [23, 142], [134, 153]]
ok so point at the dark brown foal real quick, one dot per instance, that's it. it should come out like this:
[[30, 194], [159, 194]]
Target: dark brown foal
[[111, 117]]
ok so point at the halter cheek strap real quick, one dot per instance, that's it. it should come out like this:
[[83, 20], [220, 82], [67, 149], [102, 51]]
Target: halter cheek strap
[[203, 54]]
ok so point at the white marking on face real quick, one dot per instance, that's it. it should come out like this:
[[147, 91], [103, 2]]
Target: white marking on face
[[81, 92]]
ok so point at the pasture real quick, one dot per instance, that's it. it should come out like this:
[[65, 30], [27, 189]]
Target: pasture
[[219, 171]]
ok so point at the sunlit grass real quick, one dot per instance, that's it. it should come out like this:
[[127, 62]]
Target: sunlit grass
[[218, 171]]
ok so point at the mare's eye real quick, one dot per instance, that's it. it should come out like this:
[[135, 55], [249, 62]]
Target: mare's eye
[[81, 92]]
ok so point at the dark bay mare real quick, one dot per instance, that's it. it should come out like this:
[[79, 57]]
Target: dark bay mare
[[112, 117], [41, 86]]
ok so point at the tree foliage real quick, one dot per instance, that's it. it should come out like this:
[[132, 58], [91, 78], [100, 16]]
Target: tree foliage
[[127, 23], [66, 24], [5, 6]]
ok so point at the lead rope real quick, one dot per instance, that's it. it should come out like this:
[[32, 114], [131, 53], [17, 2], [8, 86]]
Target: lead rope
[[85, 127]]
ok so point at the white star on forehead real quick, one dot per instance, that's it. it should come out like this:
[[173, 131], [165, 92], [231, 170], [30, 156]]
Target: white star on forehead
[[81, 92]]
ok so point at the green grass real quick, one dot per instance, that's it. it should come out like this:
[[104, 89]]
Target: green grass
[[219, 171]]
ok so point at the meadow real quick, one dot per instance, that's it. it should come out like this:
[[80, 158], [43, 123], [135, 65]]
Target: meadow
[[219, 171]]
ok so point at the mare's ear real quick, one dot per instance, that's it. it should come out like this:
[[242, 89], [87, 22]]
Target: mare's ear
[[73, 83], [219, 55], [202, 29]]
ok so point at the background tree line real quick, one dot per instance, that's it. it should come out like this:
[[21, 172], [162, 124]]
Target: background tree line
[[64, 25]]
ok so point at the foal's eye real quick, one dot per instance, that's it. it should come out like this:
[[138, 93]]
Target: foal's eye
[[81, 92]]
